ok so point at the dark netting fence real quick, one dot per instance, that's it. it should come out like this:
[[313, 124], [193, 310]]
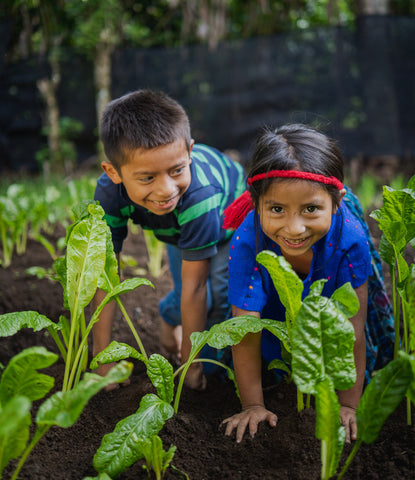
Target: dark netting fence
[[358, 85]]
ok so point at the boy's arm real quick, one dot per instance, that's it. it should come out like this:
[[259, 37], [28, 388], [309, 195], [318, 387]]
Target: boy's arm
[[193, 304]]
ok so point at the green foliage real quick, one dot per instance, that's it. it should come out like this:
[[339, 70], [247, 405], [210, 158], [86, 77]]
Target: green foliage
[[396, 219]]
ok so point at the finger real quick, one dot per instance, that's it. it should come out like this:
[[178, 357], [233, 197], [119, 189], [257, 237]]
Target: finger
[[353, 427], [253, 427], [241, 430], [230, 427], [272, 420], [347, 428]]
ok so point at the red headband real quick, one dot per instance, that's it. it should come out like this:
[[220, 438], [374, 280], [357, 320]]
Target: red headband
[[236, 212], [296, 174]]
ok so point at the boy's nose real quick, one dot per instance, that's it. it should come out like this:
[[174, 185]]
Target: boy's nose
[[166, 187]]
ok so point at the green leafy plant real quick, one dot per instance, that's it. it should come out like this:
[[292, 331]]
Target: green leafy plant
[[21, 384], [89, 262], [396, 219]]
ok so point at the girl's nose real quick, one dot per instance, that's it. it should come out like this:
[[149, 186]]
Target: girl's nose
[[295, 226]]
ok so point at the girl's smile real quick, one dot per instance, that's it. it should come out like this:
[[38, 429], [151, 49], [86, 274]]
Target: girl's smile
[[295, 214]]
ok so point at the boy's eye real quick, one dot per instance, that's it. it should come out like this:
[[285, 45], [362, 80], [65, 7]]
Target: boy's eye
[[178, 171], [145, 179], [311, 209], [276, 209]]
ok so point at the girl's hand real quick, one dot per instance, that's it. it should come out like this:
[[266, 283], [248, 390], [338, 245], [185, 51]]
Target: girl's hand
[[348, 420], [250, 417]]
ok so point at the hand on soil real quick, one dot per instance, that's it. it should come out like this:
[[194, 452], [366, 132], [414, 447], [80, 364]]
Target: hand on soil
[[103, 370], [194, 377], [249, 417], [348, 420]]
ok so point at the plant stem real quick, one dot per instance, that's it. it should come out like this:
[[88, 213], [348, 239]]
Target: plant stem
[[37, 436], [130, 324], [58, 342], [350, 458], [300, 401]]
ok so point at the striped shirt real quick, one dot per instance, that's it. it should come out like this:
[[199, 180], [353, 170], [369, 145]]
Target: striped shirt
[[195, 226]]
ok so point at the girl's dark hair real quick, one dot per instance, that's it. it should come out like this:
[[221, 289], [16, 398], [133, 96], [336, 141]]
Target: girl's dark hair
[[141, 119], [295, 147]]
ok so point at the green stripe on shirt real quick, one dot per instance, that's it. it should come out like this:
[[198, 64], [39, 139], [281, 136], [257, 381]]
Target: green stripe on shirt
[[115, 222], [200, 209]]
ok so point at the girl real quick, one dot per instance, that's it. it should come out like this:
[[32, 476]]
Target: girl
[[302, 211]]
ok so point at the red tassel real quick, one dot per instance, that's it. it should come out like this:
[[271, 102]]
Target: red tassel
[[235, 214]]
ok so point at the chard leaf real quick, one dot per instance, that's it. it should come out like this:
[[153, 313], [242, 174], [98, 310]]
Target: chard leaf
[[411, 388], [396, 218], [85, 261], [346, 300], [101, 476], [277, 363], [64, 408], [21, 377], [160, 372], [232, 331], [114, 353], [384, 393], [328, 427], [157, 459], [322, 345], [286, 282], [109, 278], [15, 420], [122, 448], [409, 303], [11, 323]]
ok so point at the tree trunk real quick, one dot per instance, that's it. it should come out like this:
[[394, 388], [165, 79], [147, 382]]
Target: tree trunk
[[47, 88], [102, 76]]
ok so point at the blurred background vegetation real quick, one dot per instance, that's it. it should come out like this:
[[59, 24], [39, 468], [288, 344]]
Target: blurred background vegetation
[[39, 37]]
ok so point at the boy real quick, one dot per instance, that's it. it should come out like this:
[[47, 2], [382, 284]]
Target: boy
[[157, 176]]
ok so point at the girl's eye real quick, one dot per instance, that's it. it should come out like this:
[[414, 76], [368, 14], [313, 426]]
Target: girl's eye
[[311, 209], [276, 209]]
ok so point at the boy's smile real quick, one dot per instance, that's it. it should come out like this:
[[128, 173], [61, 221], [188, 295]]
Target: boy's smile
[[296, 214], [155, 178]]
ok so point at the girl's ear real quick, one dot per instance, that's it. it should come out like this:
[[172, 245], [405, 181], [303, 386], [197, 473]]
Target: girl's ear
[[110, 170], [342, 193]]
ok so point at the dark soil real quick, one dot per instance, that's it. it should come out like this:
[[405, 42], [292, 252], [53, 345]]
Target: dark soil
[[289, 451]]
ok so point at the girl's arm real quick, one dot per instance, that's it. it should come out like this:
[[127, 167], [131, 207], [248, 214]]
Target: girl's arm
[[247, 362], [349, 399]]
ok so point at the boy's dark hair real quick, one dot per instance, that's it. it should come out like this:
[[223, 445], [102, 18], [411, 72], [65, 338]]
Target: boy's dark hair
[[141, 119], [295, 147]]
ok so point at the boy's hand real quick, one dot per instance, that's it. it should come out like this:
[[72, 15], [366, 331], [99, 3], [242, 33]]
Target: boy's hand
[[194, 377], [250, 417]]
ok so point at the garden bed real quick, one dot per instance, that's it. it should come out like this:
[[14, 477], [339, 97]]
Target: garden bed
[[289, 451]]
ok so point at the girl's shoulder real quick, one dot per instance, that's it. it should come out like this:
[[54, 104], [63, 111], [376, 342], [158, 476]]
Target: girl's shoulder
[[348, 229]]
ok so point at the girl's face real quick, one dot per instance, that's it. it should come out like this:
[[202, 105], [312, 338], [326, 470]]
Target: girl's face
[[295, 214]]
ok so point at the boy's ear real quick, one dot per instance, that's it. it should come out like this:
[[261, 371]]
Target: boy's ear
[[342, 193], [110, 170], [192, 142]]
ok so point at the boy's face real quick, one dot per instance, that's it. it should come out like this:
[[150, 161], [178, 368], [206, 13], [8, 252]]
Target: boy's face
[[155, 178]]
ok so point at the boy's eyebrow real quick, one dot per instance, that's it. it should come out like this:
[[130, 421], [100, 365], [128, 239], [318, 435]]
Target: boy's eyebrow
[[149, 173]]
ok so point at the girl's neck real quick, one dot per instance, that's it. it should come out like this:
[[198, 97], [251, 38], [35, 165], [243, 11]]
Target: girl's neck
[[301, 265]]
